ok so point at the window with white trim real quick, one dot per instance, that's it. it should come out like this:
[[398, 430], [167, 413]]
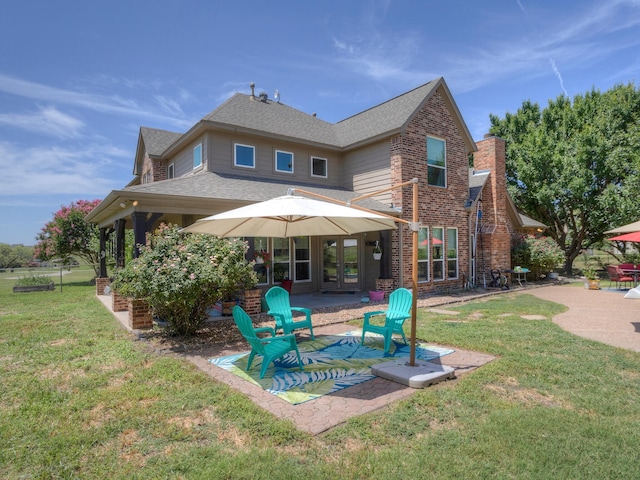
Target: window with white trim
[[244, 156], [436, 162], [302, 259], [318, 167], [423, 255], [284, 161], [452, 253], [281, 260], [171, 170], [197, 156], [437, 242]]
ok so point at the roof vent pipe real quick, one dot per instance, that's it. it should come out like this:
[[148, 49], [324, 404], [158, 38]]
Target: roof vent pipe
[[253, 95]]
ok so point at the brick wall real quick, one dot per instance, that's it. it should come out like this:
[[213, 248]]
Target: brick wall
[[438, 207], [157, 168], [496, 246]]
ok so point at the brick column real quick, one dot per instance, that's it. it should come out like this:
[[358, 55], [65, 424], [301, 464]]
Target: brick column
[[118, 302], [250, 301], [100, 284], [386, 285], [139, 314]]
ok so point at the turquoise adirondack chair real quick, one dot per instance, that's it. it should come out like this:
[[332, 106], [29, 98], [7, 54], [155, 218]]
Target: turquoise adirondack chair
[[398, 311], [271, 348], [279, 308]]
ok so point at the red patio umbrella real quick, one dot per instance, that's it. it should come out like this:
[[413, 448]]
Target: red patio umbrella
[[627, 237]]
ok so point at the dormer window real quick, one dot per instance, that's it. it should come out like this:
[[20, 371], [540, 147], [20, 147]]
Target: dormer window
[[171, 171], [284, 161], [436, 162]]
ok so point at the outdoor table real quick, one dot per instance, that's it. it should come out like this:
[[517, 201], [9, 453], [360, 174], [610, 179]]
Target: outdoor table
[[521, 275]]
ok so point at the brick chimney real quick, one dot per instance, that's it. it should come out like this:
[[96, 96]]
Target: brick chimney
[[497, 241]]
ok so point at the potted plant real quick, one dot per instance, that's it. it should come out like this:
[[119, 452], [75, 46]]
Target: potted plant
[[377, 251], [592, 282]]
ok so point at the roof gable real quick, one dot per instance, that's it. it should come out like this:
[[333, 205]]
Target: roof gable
[[153, 142]]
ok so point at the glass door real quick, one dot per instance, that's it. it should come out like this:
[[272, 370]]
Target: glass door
[[340, 263]]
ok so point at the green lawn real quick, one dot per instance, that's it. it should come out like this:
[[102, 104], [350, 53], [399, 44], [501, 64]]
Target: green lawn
[[80, 398]]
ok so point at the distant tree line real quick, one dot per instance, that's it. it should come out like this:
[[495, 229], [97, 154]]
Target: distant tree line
[[14, 256]]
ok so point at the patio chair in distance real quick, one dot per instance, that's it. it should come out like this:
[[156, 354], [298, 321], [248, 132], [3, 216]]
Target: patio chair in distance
[[271, 348], [280, 308], [398, 311], [616, 274]]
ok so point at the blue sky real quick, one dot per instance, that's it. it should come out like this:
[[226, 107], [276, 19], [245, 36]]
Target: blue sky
[[79, 78]]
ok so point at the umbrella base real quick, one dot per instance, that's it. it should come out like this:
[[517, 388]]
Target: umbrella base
[[421, 375]]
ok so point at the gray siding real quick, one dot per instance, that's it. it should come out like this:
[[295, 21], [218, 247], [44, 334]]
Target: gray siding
[[221, 160], [368, 170]]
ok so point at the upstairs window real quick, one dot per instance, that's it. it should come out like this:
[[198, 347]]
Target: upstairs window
[[284, 161], [436, 162], [318, 167], [244, 156], [171, 171], [197, 156]]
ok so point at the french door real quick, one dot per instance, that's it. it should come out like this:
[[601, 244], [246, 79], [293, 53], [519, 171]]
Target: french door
[[340, 263]]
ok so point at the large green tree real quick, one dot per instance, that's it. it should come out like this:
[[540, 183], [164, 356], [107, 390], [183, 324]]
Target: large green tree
[[69, 234], [575, 165], [12, 256]]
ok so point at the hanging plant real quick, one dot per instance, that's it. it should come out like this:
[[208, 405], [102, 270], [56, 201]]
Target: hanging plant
[[262, 258], [377, 251]]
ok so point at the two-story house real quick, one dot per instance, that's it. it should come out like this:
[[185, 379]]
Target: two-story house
[[253, 148]]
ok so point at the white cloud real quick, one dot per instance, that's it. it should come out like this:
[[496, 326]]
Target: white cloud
[[48, 171], [110, 104], [48, 120]]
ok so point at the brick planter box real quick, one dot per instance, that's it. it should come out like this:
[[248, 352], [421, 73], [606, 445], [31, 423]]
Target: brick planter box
[[140, 315], [118, 302]]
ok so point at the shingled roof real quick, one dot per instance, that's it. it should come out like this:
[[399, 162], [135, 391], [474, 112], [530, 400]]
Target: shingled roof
[[157, 141]]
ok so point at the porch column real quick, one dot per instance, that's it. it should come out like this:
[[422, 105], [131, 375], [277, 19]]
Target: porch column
[[385, 263], [142, 223], [103, 252], [119, 227]]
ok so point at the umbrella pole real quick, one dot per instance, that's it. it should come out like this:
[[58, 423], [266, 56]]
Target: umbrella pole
[[414, 275]]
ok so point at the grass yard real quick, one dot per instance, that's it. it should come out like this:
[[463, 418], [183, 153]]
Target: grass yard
[[80, 398]]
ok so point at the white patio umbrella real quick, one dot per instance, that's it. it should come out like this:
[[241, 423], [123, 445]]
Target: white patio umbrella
[[291, 216]]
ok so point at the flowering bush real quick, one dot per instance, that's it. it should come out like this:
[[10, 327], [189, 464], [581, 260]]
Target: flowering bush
[[182, 275], [540, 254], [69, 234]]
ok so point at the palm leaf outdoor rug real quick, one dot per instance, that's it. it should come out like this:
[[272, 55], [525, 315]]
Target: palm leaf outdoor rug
[[331, 363]]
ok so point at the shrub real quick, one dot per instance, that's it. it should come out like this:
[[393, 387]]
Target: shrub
[[540, 254], [181, 275]]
